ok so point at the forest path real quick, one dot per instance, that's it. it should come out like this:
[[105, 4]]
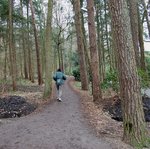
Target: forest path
[[60, 125]]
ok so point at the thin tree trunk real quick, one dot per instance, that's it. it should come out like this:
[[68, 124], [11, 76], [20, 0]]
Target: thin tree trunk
[[20, 59], [141, 43], [80, 43], [55, 60], [114, 51], [61, 57], [70, 54], [97, 94], [86, 50], [107, 35], [133, 7], [6, 59], [99, 44], [40, 81], [30, 64], [23, 44], [145, 15], [43, 50], [58, 54], [102, 51], [11, 47]]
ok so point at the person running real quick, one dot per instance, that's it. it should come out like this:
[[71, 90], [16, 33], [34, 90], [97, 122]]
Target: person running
[[59, 78]]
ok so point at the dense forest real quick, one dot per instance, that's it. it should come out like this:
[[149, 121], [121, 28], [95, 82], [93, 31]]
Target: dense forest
[[99, 42]]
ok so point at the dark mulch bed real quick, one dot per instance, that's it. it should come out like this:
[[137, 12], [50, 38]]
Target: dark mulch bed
[[15, 106], [113, 107]]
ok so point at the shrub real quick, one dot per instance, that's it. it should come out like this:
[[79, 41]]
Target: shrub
[[111, 81], [144, 78], [76, 74]]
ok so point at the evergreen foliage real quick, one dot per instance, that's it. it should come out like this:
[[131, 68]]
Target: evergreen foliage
[[111, 81]]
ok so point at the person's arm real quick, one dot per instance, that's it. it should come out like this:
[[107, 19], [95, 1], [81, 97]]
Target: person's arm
[[64, 77], [54, 77]]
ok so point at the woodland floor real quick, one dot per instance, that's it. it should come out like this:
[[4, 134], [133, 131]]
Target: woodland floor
[[75, 123]]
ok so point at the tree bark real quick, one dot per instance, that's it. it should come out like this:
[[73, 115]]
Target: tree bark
[[107, 34], [97, 94], [6, 58], [30, 63], [23, 43], [133, 7], [40, 81], [80, 43], [141, 44], [11, 47], [20, 60], [48, 53], [146, 16], [133, 115], [99, 40], [101, 49], [86, 50]]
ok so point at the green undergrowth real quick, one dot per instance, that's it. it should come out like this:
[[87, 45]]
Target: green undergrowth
[[110, 81], [144, 144], [77, 84], [144, 78], [6, 85], [23, 82]]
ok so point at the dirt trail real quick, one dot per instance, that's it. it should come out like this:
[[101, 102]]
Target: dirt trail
[[60, 125]]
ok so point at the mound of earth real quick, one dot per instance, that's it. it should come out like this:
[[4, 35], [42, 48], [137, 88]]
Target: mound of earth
[[15, 106], [113, 107]]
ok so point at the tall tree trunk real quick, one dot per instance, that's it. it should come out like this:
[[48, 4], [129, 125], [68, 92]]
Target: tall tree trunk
[[43, 51], [146, 16], [30, 64], [61, 58], [40, 81], [133, 7], [11, 47], [55, 59], [58, 54], [80, 42], [114, 51], [6, 59], [99, 43], [102, 50], [70, 51], [23, 43], [141, 44], [107, 34], [97, 94], [132, 107], [20, 60], [86, 50], [49, 54]]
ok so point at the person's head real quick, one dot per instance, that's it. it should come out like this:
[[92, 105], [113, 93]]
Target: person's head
[[59, 69]]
